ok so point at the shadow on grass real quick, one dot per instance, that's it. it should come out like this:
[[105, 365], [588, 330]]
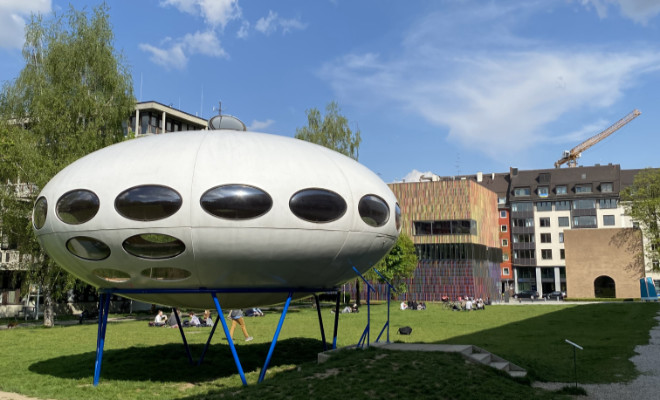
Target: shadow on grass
[[169, 363]]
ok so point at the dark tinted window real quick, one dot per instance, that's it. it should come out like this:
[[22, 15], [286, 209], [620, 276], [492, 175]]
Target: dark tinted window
[[77, 206], [373, 210], [166, 274], [39, 213], [397, 216], [153, 245], [148, 202], [88, 248], [236, 202], [317, 205]]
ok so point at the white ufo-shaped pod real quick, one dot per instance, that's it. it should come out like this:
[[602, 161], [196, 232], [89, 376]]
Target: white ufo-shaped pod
[[216, 209]]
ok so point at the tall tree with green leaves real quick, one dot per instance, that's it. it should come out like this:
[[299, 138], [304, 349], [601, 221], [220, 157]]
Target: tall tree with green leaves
[[72, 97], [331, 131], [642, 203], [399, 264]]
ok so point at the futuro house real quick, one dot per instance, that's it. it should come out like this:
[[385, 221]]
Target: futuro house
[[216, 209]]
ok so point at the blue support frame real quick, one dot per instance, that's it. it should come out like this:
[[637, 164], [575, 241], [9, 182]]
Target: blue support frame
[[389, 292], [367, 329], [104, 306]]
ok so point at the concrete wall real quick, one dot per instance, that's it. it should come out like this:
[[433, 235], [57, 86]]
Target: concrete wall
[[591, 253]]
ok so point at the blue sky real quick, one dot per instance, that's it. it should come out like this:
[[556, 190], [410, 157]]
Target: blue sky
[[450, 87]]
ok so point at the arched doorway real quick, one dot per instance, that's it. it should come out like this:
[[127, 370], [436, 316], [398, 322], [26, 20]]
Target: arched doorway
[[604, 287]]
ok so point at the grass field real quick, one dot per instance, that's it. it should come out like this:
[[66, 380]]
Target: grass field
[[143, 362]]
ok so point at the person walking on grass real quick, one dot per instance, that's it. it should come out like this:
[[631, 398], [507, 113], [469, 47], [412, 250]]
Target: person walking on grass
[[236, 317]]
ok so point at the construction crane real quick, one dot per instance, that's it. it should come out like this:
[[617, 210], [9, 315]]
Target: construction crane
[[570, 157]]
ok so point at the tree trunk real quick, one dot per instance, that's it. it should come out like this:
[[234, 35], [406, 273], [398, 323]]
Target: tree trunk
[[357, 292], [49, 314]]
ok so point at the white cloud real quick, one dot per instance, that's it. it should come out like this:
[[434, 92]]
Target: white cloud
[[243, 31], [174, 54], [267, 25], [259, 126], [415, 176], [502, 96], [273, 22], [13, 16], [214, 12], [640, 11]]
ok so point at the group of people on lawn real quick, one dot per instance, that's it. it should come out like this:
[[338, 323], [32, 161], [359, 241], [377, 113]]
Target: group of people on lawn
[[236, 317]]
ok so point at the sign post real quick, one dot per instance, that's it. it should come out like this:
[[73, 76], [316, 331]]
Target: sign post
[[575, 347]]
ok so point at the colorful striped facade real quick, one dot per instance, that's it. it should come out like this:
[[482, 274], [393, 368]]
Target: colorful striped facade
[[450, 264]]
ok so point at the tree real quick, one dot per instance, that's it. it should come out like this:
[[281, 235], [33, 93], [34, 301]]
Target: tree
[[331, 131], [641, 201], [72, 97], [399, 263]]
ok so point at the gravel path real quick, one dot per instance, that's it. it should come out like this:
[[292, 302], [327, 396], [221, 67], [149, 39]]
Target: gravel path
[[647, 384]]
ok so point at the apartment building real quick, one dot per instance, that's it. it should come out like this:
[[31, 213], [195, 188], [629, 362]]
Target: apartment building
[[544, 204]]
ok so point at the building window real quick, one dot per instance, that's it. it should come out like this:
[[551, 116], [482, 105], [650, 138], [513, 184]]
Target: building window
[[561, 237], [527, 254], [506, 271], [607, 203], [546, 238], [544, 222], [505, 243], [546, 254], [562, 254], [502, 214], [563, 221], [448, 227], [523, 191], [584, 204], [561, 189], [562, 205], [655, 264], [523, 222], [523, 238], [606, 187], [520, 207], [503, 228], [501, 200], [542, 191], [544, 206], [582, 189], [505, 257], [608, 220], [585, 221]]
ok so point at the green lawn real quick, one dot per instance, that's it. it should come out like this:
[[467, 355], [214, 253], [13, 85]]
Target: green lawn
[[143, 362]]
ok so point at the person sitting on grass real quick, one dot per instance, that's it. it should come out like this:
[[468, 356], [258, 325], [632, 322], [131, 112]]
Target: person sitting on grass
[[160, 319], [193, 320], [208, 321], [171, 321]]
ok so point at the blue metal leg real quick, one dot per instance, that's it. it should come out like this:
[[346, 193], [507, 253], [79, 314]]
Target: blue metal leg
[[318, 311], [229, 339], [183, 335], [104, 306], [334, 337], [277, 334], [209, 341]]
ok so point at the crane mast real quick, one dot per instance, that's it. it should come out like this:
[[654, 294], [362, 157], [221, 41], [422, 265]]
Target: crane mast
[[570, 156]]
